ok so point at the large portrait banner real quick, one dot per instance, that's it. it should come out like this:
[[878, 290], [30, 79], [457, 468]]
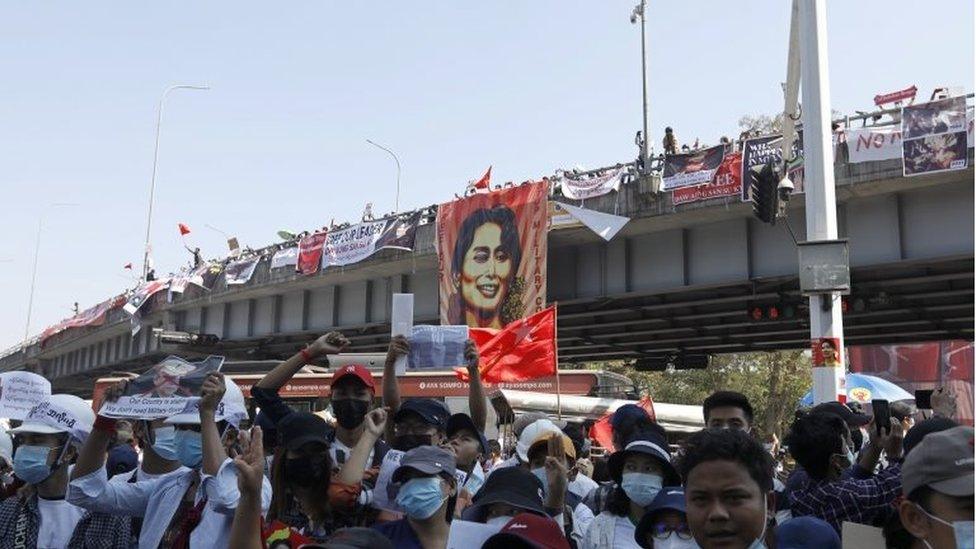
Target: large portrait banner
[[934, 136], [492, 256]]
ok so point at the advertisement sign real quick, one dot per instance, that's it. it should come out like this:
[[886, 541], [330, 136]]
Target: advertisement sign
[[690, 169], [492, 250]]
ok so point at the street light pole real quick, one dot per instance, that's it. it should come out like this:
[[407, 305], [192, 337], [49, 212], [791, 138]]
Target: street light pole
[[396, 204], [639, 12], [37, 249], [152, 183]]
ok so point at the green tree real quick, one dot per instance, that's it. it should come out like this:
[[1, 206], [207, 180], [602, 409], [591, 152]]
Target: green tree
[[773, 381]]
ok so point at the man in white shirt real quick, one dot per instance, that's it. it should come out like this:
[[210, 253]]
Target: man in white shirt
[[41, 517], [193, 508]]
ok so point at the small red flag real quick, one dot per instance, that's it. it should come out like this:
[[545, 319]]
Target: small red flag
[[128, 266], [525, 349], [184, 229], [483, 184]]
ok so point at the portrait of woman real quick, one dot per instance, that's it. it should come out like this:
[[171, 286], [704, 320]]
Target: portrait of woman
[[829, 353], [484, 269]]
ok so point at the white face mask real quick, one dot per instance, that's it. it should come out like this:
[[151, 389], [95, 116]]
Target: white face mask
[[962, 529], [674, 542]]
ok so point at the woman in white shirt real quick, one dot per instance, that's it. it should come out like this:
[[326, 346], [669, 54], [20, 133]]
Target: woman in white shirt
[[639, 471]]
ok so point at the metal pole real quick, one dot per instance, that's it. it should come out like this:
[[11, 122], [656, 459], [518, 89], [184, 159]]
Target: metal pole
[[645, 153], [30, 300], [152, 182], [826, 320], [396, 203]]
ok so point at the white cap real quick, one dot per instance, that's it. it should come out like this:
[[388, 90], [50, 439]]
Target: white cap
[[60, 414], [6, 447], [231, 408], [532, 433]]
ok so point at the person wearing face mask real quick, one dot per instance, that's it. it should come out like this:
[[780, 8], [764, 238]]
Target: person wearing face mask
[[665, 524], [639, 471], [937, 481], [506, 493], [192, 508], [47, 442], [425, 488], [821, 443], [728, 482], [625, 422]]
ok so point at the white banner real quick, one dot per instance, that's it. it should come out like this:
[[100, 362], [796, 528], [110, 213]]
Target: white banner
[[285, 257], [21, 391], [434, 347], [588, 187], [356, 243], [240, 272], [873, 144], [604, 224]]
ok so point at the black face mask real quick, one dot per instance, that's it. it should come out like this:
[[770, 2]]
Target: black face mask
[[405, 443], [305, 471], [350, 412]]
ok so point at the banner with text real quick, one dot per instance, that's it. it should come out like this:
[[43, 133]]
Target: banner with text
[[310, 253], [689, 169], [727, 182], [285, 257], [356, 243], [21, 391], [934, 136], [758, 151], [143, 293], [240, 272], [167, 389], [873, 144], [580, 188]]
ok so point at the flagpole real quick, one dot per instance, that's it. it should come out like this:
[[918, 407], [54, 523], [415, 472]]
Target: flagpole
[[555, 335]]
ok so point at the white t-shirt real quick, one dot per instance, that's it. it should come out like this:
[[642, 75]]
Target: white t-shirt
[[605, 525], [58, 521], [582, 485], [337, 447]]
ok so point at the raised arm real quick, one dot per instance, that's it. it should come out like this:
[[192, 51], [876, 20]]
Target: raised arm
[[210, 395], [93, 452], [354, 467], [245, 531], [329, 344], [399, 346], [476, 392]]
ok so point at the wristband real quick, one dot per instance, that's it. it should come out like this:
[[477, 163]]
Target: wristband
[[105, 424]]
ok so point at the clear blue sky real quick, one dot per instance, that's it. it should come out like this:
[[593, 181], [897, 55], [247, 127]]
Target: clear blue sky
[[279, 142]]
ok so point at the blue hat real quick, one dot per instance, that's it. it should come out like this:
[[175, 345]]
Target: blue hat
[[628, 413], [121, 459], [806, 533], [463, 421], [432, 412], [670, 498]]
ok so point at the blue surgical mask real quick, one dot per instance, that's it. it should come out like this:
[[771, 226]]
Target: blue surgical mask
[[963, 530], [420, 498], [165, 442], [641, 488], [30, 463], [760, 542], [540, 473], [189, 448]]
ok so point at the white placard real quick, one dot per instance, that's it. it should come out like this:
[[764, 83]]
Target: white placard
[[402, 324], [170, 387], [21, 391], [465, 534], [433, 347], [382, 499]]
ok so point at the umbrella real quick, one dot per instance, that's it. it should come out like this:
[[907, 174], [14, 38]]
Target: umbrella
[[864, 388]]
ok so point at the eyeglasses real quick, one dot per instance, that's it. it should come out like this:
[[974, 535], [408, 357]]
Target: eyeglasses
[[663, 531]]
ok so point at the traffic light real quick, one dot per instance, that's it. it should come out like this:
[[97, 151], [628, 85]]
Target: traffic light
[[763, 188]]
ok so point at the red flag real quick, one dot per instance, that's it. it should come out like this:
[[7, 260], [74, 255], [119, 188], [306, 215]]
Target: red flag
[[184, 229], [483, 184], [603, 433], [525, 349], [128, 266]]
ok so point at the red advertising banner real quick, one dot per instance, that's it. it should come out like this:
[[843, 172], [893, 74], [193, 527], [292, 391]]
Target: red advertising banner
[[310, 253], [900, 95], [726, 182], [492, 256], [94, 316]]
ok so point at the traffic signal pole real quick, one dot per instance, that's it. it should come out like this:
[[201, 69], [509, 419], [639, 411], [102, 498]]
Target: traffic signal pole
[[826, 321]]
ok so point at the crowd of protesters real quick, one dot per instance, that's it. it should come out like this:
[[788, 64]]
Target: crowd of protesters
[[407, 473]]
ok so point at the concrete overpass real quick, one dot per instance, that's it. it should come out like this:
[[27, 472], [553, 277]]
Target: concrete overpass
[[677, 280]]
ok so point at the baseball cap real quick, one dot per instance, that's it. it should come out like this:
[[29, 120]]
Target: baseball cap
[[59, 414], [531, 433], [433, 412], [511, 485], [943, 461], [461, 421], [357, 371], [851, 418], [299, 428], [528, 530], [807, 532], [651, 444], [430, 460], [357, 538], [670, 498], [924, 428], [528, 418], [628, 413], [565, 441]]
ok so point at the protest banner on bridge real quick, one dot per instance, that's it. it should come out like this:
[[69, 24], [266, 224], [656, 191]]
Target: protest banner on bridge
[[758, 151], [240, 272], [694, 168], [310, 253], [21, 391], [873, 144], [285, 257], [168, 388], [143, 293], [492, 250], [356, 243], [726, 182], [93, 316], [580, 188], [934, 136]]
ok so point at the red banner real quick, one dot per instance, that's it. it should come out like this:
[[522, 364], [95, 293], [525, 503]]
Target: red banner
[[95, 316], [900, 95], [726, 182], [310, 253]]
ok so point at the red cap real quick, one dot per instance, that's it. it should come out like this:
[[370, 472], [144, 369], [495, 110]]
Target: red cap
[[357, 370], [538, 531]]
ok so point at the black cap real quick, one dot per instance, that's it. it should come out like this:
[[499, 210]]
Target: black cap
[[850, 418], [299, 428], [461, 421], [926, 427], [357, 538], [433, 412], [512, 485], [648, 443]]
